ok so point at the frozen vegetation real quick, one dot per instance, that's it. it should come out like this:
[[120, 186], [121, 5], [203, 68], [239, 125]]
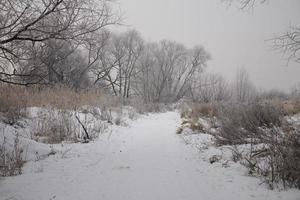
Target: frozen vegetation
[[143, 158], [89, 110]]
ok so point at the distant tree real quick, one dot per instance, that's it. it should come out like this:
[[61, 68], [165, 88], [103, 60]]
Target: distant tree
[[119, 62], [295, 91], [243, 88], [210, 88], [157, 72], [168, 70]]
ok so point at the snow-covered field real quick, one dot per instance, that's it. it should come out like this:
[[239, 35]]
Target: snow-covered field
[[145, 160]]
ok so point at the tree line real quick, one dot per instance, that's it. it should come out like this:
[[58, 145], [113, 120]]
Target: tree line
[[68, 42]]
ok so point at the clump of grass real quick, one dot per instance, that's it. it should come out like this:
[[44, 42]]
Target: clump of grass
[[179, 130], [55, 127], [203, 110], [291, 107], [11, 161], [191, 123]]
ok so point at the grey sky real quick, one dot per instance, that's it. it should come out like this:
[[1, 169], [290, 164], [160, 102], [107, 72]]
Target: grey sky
[[234, 38]]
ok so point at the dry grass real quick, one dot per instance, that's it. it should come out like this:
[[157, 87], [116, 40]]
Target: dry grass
[[200, 110], [243, 121], [288, 107], [191, 123], [14, 99], [11, 162], [12, 104], [291, 107], [191, 116], [55, 127], [60, 97]]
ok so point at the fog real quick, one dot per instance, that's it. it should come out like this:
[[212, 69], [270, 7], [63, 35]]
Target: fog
[[236, 38]]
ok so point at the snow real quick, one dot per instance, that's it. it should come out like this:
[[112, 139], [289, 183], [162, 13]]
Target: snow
[[144, 160]]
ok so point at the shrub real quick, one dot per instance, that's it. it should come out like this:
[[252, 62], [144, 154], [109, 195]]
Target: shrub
[[141, 107], [274, 143], [179, 130], [284, 158], [55, 127], [118, 119], [106, 115], [11, 160], [203, 110], [241, 122], [276, 159], [291, 107]]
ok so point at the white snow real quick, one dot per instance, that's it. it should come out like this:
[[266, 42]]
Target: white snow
[[146, 160]]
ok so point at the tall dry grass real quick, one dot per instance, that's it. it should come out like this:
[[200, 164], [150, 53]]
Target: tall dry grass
[[14, 99], [59, 97]]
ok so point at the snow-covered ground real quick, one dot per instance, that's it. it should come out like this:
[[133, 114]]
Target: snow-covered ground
[[146, 160]]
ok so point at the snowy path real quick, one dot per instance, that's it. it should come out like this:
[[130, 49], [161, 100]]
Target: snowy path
[[146, 161]]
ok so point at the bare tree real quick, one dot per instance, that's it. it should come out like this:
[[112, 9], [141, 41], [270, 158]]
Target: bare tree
[[245, 4], [134, 45], [143, 85], [287, 43], [64, 61], [157, 72], [168, 69], [119, 62], [243, 88], [210, 88], [25, 24]]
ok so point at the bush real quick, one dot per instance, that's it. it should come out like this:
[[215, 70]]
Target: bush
[[55, 127], [11, 161], [202, 110], [240, 122], [276, 159], [291, 107], [274, 143], [284, 159]]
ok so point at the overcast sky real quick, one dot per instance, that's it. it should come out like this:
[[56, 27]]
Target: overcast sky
[[234, 38]]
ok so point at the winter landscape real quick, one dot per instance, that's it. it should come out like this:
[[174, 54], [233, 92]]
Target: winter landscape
[[149, 100]]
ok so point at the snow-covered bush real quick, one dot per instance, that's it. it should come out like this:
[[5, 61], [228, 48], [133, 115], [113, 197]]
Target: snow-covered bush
[[261, 137], [118, 119], [106, 115], [274, 151], [11, 160], [54, 127], [243, 121], [283, 158], [276, 158]]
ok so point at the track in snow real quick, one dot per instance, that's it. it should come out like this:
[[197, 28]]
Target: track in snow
[[146, 161]]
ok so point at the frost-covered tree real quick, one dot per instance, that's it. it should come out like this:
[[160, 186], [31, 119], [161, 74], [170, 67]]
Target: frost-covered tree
[[26, 24]]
